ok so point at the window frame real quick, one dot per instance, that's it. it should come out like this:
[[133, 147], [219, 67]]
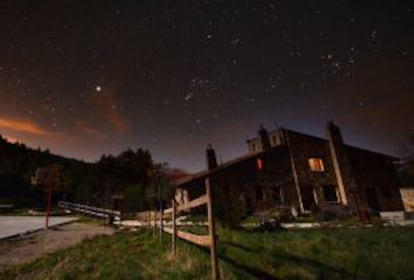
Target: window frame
[[274, 140], [253, 145], [278, 191], [316, 164], [335, 188], [386, 192], [257, 194]]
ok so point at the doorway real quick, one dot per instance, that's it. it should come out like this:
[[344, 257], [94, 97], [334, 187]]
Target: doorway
[[372, 198], [308, 197]]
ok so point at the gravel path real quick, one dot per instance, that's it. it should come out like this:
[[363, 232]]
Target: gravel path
[[34, 245], [19, 225]]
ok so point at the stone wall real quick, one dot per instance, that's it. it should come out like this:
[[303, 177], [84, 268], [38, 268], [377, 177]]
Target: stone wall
[[286, 166], [239, 180], [377, 173], [303, 147], [407, 195]]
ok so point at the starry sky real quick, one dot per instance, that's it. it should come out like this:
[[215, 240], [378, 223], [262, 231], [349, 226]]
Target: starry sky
[[86, 78]]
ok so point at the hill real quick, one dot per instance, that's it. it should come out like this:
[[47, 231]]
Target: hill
[[131, 174], [18, 163]]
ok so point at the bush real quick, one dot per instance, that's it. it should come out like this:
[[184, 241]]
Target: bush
[[337, 213]]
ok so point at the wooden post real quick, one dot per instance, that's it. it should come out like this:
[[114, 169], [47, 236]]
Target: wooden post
[[49, 204], [149, 220], [174, 228], [212, 232], [161, 223], [155, 223]]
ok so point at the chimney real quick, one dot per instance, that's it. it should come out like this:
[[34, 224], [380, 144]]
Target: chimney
[[264, 139], [342, 166], [211, 158]]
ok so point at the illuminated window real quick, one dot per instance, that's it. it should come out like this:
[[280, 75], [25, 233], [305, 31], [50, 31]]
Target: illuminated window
[[259, 164], [329, 193], [316, 164]]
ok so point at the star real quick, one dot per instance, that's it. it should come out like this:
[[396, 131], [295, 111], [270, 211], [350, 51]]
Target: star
[[168, 74]]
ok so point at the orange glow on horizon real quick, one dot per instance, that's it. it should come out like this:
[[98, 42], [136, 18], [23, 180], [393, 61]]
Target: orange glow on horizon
[[22, 126], [11, 139]]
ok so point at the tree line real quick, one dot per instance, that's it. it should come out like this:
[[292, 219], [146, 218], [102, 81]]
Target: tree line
[[132, 174]]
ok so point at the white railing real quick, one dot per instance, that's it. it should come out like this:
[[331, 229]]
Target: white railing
[[91, 210]]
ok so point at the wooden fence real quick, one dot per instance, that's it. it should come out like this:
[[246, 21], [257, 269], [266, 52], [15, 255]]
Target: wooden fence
[[90, 210], [209, 240]]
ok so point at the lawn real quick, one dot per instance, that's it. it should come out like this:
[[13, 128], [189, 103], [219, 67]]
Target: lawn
[[357, 253]]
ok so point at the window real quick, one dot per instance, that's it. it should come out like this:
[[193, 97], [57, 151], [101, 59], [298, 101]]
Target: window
[[330, 194], [259, 164], [386, 192], [253, 147], [276, 195], [259, 193], [274, 139], [316, 164]]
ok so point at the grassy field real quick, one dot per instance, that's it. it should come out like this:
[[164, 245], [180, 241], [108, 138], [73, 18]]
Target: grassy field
[[358, 253]]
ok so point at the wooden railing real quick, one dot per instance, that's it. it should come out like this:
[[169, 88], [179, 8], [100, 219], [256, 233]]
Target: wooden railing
[[201, 240], [91, 210]]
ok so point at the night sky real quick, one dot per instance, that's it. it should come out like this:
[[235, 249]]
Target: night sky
[[84, 78]]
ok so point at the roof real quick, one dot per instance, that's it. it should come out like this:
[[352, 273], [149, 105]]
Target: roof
[[204, 173], [270, 132], [391, 157]]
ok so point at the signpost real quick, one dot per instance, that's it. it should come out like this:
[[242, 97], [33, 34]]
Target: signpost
[[50, 178]]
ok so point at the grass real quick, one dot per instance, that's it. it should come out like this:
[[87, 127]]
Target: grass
[[365, 253], [359, 253], [122, 256]]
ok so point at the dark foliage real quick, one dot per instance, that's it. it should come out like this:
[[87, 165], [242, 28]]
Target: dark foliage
[[406, 169], [131, 174]]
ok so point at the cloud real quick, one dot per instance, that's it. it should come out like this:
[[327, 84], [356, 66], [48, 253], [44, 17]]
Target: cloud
[[22, 126], [108, 108], [118, 121], [83, 127]]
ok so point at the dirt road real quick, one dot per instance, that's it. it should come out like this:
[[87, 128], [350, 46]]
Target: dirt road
[[33, 246]]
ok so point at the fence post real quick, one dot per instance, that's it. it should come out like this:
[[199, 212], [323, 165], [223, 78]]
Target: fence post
[[174, 228], [48, 206], [149, 220], [212, 232], [155, 223], [161, 223]]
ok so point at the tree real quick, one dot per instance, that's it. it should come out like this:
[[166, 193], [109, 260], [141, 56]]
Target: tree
[[406, 170], [128, 174], [51, 179], [158, 190]]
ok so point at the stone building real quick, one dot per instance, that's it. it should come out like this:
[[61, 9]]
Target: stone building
[[285, 169], [407, 195]]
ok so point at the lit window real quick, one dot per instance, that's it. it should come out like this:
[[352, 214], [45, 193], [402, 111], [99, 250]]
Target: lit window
[[259, 164], [329, 193], [316, 164]]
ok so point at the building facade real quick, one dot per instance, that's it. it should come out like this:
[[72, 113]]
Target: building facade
[[285, 169]]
